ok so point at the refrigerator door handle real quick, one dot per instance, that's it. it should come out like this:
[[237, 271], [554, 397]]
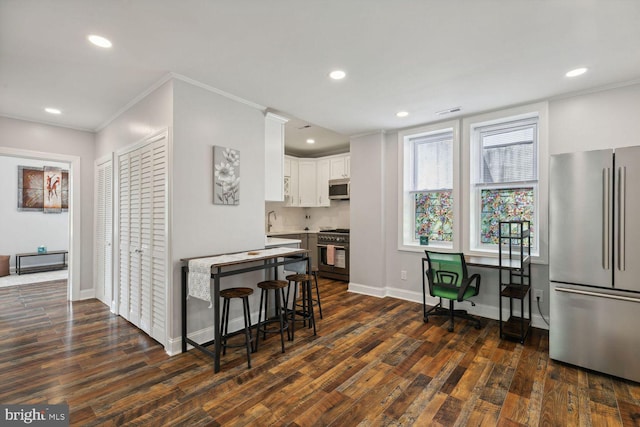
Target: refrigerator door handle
[[606, 182], [622, 214], [597, 294]]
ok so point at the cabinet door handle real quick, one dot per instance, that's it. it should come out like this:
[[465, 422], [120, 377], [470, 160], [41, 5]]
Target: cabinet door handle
[[597, 294], [622, 212], [606, 179]]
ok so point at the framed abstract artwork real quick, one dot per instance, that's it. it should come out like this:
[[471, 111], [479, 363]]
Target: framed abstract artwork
[[226, 176], [52, 190], [43, 189]]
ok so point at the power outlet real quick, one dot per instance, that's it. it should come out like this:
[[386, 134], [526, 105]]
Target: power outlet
[[403, 275], [538, 294]]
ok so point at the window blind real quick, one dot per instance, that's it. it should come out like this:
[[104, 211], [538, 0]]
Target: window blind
[[433, 161], [508, 153]]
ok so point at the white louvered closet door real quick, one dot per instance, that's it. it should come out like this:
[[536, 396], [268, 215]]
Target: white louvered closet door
[[104, 232], [143, 236], [159, 231], [124, 225]]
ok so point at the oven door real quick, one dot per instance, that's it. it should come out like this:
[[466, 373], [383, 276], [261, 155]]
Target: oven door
[[338, 268]]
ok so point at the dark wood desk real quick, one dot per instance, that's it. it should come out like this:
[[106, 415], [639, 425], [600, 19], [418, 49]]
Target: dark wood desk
[[225, 265]]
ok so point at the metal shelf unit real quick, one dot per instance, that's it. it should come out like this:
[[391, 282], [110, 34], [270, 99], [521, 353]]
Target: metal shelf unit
[[514, 259]]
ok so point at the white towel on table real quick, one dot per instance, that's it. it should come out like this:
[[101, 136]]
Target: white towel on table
[[199, 279]]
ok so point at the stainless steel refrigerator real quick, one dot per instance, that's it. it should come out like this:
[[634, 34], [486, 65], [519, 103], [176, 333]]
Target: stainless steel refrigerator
[[594, 260]]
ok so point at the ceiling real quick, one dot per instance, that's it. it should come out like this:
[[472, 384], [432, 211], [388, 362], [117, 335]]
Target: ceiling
[[421, 56]]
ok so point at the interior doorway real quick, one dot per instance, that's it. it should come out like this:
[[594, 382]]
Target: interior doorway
[[72, 164]]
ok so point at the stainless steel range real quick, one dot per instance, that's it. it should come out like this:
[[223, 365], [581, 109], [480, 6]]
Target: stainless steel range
[[333, 254]]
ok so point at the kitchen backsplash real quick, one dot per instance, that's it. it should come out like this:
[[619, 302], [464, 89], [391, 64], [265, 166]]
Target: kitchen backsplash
[[334, 216]]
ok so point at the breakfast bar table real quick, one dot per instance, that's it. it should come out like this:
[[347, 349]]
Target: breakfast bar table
[[201, 279]]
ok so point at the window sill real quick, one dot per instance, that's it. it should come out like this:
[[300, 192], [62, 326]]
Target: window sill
[[416, 247]]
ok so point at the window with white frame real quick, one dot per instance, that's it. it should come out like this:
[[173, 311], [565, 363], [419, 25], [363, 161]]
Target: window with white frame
[[504, 173], [429, 156]]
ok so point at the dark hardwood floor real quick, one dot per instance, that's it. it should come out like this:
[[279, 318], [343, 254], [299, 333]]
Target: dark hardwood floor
[[373, 362]]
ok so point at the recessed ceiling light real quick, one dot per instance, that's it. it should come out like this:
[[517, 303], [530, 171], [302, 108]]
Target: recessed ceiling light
[[576, 72], [402, 113], [311, 141], [99, 41], [52, 110], [337, 75]]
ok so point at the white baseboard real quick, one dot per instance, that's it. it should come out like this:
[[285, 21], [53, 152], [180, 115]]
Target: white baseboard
[[357, 288], [481, 310], [174, 345], [87, 293]]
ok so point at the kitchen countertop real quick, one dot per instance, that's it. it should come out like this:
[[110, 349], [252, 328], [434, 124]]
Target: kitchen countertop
[[294, 231], [271, 242]]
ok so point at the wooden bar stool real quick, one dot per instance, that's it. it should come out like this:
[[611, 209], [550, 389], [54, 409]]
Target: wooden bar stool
[[227, 295], [316, 301], [275, 286], [304, 307]]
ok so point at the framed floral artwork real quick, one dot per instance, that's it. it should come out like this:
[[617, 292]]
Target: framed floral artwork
[[226, 176]]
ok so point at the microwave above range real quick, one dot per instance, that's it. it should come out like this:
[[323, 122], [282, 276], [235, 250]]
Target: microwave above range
[[339, 189]]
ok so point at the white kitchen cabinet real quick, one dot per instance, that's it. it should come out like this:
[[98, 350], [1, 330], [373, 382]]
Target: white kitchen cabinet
[[306, 181], [340, 167], [307, 184], [274, 157], [291, 180], [287, 166], [322, 182]]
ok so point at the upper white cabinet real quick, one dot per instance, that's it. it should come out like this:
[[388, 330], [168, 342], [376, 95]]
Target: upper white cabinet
[[274, 157], [307, 184], [322, 182], [340, 167], [306, 181], [291, 180]]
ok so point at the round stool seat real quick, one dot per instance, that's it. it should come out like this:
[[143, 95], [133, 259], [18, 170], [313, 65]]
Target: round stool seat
[[236, 292], [273, 284], [299, 277]]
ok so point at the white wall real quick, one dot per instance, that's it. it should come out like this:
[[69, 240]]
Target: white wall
[[203, 119], [54, 142], [370, 170], [24, 231], [151, 114], [607, 119]]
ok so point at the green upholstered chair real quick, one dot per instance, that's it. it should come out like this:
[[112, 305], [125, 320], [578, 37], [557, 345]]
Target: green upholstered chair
[[448, 278]]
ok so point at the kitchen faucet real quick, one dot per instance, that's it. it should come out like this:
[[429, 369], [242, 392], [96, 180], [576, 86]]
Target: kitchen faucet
[[269, 225]]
